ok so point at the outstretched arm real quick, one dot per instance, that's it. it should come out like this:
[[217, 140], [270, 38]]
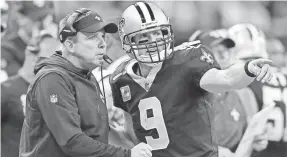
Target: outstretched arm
[[237, 76]]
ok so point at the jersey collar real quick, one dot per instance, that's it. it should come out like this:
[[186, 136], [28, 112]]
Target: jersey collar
[[145, 83]]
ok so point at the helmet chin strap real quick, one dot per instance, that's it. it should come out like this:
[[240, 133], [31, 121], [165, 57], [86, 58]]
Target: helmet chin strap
[[138, 70]]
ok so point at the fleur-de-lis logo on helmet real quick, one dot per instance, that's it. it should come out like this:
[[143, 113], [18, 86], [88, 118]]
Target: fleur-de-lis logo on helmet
[[121, 25]]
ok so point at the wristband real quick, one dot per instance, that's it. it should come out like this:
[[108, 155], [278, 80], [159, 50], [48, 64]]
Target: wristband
[[247, 71]]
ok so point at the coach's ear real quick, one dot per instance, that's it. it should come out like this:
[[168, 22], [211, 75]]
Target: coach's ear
[[70, 45]]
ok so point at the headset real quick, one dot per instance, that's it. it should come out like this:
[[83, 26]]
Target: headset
[[70, 28]]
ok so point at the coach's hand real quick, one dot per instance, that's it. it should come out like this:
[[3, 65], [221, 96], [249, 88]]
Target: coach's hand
[[260, 142], [224, 152], [261, 69], [141, 150]]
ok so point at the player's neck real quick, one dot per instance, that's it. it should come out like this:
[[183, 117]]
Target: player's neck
[[143, 70]]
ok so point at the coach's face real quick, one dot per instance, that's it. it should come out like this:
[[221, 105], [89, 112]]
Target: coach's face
[[90, 48]]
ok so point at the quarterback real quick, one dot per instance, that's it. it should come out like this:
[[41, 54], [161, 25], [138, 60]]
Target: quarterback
[[167, 90]]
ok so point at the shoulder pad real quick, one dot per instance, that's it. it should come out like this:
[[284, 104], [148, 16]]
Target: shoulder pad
[[188, 45]]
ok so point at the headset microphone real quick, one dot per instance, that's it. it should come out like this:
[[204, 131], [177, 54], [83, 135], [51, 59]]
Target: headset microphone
[[107, 59]]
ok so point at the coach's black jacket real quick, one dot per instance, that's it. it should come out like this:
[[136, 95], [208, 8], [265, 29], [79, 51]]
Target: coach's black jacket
[[65, 115]]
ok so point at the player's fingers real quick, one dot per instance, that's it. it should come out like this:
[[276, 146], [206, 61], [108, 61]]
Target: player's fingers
[[262, 62], [262, 72], [267, 75], [254, 69], [270, 78]]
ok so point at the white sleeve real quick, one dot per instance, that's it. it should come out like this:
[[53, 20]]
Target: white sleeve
[[233, 78]]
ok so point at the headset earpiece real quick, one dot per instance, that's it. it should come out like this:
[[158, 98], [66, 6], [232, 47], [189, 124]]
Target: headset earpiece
[[69, 30]]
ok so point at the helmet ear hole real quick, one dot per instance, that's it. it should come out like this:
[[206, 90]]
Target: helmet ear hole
[[164, 32], [133, 39]]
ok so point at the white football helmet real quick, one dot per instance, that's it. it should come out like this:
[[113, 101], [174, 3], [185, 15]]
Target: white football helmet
[[143, 17], [250, 42]]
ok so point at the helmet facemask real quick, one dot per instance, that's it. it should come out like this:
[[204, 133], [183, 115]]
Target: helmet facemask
[[155, 51]]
